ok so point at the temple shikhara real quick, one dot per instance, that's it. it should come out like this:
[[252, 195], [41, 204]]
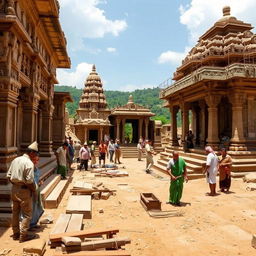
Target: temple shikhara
[[95, 120], [216, 84]]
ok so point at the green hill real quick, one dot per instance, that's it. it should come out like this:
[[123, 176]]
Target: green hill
[[146, 97]]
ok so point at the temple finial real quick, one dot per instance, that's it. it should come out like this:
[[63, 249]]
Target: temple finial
[[94, 68], [130, 99], [226, 10]]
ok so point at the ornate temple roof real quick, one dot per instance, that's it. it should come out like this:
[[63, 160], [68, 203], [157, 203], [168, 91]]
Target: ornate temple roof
[[93, 94], [228, 41], [132, 109]]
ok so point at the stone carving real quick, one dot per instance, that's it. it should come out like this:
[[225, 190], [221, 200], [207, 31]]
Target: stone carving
[[10, 7]]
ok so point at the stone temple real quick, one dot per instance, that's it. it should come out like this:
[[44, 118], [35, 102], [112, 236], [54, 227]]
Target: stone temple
[[95, 120], [216, 86]]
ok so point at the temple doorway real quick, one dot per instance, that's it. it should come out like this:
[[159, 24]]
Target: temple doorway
[[93, 135], [128, 133]]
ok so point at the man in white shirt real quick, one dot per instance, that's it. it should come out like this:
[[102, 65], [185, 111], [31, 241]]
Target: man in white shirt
[[84, 157], [62, 160], [139, 148], [211, 169]]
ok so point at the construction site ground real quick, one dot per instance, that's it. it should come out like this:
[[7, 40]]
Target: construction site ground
[[220, 225]]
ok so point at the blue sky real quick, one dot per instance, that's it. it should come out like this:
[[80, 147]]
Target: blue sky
[[136, 44]]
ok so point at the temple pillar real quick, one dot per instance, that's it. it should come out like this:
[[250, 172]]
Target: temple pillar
[[174, 136], [140, 128], [118, 129], [251, 117], [101, 134], [184, 107], [146, 128], [237, 141], [85, 134], [123, 130], [45, 124], [213, 129], [194, 123], [29, 121], [202, 106]]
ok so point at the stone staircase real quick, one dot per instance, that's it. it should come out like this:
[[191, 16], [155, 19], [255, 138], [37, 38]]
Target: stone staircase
[[243, 162]]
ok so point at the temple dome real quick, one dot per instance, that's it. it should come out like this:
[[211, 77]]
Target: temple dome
[[227, 40]]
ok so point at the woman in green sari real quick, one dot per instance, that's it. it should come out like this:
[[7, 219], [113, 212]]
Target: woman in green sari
[[177, 169]]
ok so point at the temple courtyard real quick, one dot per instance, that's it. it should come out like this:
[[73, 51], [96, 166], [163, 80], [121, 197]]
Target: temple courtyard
[[221, 225]]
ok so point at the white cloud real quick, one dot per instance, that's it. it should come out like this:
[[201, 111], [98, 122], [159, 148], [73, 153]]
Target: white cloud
[[171, 57], [84, 19], [111, 49], [76, 77]]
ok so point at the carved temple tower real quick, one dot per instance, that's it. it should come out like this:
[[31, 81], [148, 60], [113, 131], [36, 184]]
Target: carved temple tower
[[92, 115]]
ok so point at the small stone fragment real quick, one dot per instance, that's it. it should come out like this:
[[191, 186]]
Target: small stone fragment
[[254, 241], [101, 210]]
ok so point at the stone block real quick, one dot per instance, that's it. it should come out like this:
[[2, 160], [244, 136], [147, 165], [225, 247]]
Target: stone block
[[250, 178], [35, 247], [105, 195], [254, 241], [71, 241]]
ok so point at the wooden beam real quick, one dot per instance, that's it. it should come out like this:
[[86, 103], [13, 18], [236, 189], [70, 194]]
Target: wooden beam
[[82, 234]]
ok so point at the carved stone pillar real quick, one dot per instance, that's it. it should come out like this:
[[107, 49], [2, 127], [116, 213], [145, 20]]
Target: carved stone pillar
[[212, 101], [140, 128], [85, 134], [174, 136], [29, 121], [123, 130], [146, 128], [237, 141], [202, 106], [251, 117], [184, 107], [118, 129], [45, 143], [194, 123], [101, 134], [8, 125]]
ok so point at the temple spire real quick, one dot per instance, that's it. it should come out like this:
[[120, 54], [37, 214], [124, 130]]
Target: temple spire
[[94, 68], [226, 10]]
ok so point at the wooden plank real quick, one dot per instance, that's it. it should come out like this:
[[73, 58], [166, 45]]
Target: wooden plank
[[82, 184], [95, 253], [49, 185], [113, 243], [82, 234], [61, 223], [80, 204], [89, 191], [75, 223], [53, 200]]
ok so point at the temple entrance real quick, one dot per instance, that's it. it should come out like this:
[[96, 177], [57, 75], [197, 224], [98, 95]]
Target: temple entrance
[[128, 133], [131, 127], [93, 135]]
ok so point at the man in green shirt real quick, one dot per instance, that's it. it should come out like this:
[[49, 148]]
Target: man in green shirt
[[176, 167]]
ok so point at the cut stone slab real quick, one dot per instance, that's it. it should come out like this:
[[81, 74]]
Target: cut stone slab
[[71, 241], [251, 187], [35, 247], [250, 178], [105, 195], [82, 184], [80, 204]]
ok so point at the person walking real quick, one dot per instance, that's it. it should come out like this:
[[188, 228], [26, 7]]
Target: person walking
[[102, 153], [176, 168], [84, 154], [117, 152], [77, 148], [21, 175], [139, 148], [93, 156], [149, 155], [211, 169], [111, 150], [62, 160], [225, 165], [70, 154]]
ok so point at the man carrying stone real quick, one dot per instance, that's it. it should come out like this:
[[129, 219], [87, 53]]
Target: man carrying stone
[[176, 167], [21, 175]]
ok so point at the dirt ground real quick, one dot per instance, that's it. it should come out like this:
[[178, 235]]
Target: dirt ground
[[221, 225]]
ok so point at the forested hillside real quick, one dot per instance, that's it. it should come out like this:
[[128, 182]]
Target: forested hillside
[[145, 97]]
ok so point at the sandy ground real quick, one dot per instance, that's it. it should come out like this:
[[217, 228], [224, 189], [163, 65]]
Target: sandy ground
[[221, 225]]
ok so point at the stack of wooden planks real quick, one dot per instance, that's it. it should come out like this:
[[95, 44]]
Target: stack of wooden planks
[[95, 240], [80, 204], [67, 223], [53, 192]]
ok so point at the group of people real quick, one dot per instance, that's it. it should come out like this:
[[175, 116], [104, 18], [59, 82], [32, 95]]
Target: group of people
[[82, 154], [177, 170]]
